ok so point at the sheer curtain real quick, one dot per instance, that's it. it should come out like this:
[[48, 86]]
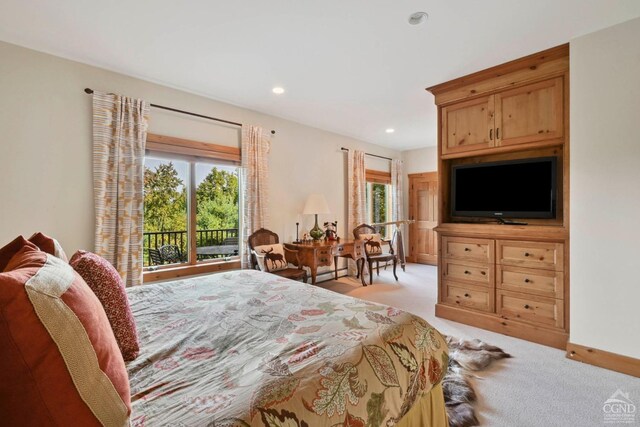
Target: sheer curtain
[[255, 185], [357, 189], [397, 198], [119, 135]]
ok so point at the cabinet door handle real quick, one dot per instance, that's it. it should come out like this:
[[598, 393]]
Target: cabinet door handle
[[497, 133], [526, 306], [490, 134]]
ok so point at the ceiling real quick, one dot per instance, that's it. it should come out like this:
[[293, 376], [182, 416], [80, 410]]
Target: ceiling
[[352, 67]]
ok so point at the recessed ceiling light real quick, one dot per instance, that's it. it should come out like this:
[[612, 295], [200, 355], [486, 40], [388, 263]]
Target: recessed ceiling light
[[418, 18], [278, 90], [390, 130]]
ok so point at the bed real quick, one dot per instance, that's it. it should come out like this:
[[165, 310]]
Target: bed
[[247, 348]]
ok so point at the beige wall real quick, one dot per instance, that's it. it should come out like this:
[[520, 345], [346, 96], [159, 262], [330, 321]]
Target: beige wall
[[45, 147], [605, 189]]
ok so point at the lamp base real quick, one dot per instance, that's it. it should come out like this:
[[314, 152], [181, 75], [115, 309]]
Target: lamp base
[[316, 232]]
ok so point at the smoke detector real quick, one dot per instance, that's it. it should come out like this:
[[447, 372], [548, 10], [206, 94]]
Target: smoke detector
[[418, 18]]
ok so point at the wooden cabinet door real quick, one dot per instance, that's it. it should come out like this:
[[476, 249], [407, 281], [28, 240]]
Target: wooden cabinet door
[[468, 125], [423, 208], [529, 113]]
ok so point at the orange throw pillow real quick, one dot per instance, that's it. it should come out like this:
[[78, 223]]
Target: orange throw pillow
[[49, 245], [60, 361], [10, 249]]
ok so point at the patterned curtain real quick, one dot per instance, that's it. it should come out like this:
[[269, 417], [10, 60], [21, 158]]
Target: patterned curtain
[[357, 188], [397, 199], [255, 185], [119, 135]]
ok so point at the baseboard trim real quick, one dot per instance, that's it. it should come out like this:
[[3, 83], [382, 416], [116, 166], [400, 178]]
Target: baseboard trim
[[604, 359], [541, 335]]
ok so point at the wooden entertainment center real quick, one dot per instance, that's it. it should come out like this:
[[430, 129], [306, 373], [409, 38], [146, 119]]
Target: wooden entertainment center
[[511, 279]]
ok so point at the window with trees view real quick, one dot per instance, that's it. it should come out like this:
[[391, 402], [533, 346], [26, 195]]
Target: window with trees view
[[378, 204], [174, 190]]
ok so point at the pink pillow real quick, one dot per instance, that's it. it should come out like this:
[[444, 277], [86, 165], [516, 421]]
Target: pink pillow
[[107, 284], [48, 245], [60, 363]]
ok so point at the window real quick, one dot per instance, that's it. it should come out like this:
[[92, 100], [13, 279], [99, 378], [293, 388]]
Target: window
[[191, 204], [379, 199]]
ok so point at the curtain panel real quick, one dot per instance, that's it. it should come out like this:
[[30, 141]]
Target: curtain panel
[[119, 134], [357, 189], [255, 185], [397, 198]]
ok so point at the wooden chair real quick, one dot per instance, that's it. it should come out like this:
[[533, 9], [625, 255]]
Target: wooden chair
[[266, 237], [374, 257]]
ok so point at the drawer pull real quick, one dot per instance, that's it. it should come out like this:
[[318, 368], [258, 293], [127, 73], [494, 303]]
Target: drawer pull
[[484, 273], [526, 306], [527, 281], [467, 250], [466, 295], [467, 272], [527, 254]]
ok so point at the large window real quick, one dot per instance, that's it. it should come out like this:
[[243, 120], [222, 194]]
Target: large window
[[191, 208], [379, 199]]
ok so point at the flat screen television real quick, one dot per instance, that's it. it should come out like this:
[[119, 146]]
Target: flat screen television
[[523, 188]]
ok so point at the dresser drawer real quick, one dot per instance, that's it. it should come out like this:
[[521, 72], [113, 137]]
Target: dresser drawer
[[547, 283], [530, 308], [476, 250], [469, 296], [549, 256], [476, 272]]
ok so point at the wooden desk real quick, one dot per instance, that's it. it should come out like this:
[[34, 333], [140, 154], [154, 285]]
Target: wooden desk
[[325, 252]]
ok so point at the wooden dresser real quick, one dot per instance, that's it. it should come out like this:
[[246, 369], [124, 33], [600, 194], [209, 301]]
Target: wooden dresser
[[512, 279]]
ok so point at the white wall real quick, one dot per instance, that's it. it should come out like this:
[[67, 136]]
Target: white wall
[[605, 189], [45, 147]]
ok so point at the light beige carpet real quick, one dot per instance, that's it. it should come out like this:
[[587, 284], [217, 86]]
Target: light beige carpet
[[537, 387]]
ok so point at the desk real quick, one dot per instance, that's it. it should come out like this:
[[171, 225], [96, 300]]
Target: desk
[[324, 252]]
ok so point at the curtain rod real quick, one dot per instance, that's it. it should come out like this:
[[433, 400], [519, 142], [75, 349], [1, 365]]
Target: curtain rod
[[371, 155], [175, 110]]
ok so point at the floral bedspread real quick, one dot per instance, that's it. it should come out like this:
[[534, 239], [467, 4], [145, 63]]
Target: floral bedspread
[[250, 348]]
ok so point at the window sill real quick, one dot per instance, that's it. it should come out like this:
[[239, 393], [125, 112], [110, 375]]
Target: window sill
[[189, 270]]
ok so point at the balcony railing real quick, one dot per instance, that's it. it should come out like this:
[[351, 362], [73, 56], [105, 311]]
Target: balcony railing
[[204, 238]]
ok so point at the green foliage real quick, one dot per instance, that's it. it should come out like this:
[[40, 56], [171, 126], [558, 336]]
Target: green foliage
[[165, 199], [379, 193], [217, 201]]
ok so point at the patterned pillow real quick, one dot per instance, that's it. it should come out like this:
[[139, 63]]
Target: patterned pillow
[[10, 249], [60, 361], [49, 245], [270, 257], [373, 244], [106, 283]]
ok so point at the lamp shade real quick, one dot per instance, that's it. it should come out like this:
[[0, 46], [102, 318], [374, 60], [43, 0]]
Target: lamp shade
[[316, 204]]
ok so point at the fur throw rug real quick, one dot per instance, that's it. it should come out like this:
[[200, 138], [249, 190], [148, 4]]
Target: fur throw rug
[[465, 356]]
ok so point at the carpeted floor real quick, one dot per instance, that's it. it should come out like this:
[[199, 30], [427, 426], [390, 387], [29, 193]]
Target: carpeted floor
[[537, 387]]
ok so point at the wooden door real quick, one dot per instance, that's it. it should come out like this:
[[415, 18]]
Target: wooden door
[[529, 113], [468, 126], [423, 208]]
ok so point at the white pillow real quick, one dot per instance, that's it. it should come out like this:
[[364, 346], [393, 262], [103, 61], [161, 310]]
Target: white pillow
[[270, 257]]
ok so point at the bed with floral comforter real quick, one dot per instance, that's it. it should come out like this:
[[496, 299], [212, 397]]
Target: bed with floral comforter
[[247, 348]]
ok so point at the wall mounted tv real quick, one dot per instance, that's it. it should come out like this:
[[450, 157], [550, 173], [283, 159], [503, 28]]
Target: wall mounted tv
[[523, 188]]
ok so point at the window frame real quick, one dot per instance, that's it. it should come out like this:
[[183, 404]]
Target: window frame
[[192, 152]]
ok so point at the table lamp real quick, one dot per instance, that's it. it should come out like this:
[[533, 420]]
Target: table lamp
[[316, 204]]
